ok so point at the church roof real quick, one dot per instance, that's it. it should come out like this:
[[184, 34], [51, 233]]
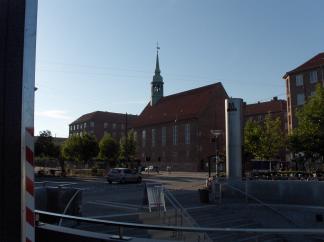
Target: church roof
[[316, 61], [180, 106], [273, 106], [104, 116]]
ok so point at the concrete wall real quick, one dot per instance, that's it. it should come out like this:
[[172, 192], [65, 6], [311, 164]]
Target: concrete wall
[[309, 193]]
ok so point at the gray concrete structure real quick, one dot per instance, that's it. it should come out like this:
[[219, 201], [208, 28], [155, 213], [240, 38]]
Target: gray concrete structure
[[233, 122]]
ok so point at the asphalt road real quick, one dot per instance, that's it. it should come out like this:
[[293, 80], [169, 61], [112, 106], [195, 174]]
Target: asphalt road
[[105, 201]]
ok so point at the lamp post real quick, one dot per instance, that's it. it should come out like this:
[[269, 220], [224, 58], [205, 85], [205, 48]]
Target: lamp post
[[217, 134]]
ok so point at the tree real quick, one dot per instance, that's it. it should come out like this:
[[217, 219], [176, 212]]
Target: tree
[[108, 148], [252, 134], [45, 147], [263, 141], [272, 138], [128, 147], [306, 141], [80, 148]]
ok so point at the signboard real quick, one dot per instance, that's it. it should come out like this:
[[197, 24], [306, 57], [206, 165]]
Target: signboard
[[155, 196]]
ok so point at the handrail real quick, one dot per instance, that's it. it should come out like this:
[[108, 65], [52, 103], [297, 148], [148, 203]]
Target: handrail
[[69, 203], [179, 206], [186, 229], [262, 203]]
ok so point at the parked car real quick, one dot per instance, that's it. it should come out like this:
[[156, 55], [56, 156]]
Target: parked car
[[123, 175]]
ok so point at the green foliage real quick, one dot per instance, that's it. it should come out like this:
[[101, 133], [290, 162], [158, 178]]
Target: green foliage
[[252, 134], [307, 139], [108, 148], [128, 147], [272, 138], [45, 147], [80, 148], [264, 141]]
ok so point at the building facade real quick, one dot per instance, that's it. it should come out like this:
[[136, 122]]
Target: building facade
[[301, 84], [277, 108], [175, 130], [99, 123]]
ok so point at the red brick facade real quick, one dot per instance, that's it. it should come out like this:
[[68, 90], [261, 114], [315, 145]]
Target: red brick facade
[[187, 119], [98, 123], [300, 85], [275, 107]]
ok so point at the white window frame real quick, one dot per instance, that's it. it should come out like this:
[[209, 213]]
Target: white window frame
[[187, 134], [153, 137], [143, 138], [299, 80], [300, 99], [175, 134], [163, 136], [313, 77]]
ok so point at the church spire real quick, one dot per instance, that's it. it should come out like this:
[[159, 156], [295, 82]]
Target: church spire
[[157, 65], [157, 82]]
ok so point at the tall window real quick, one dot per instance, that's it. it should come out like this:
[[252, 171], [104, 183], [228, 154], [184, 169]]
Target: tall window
[[187, 134], [313, 76], [300, 99], [85, 125], [143, 138], [153, 137], [175, 135], [299, 80], [105, 125], [114, 125], [163, 134], [92, 124]]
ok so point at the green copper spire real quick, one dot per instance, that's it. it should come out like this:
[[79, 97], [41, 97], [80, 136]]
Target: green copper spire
[[157, 82], [157, 66]]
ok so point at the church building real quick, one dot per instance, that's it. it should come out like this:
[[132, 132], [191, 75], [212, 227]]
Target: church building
[[176, 130]]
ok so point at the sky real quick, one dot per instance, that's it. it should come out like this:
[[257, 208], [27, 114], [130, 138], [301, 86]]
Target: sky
[[100, 54]]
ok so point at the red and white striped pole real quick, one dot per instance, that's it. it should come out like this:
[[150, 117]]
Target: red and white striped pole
[[27, 124], [29, 186]]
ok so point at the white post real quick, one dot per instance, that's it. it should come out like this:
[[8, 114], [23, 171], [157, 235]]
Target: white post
[[233, 119]]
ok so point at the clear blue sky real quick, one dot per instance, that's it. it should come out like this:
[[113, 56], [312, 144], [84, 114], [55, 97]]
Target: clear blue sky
[[100, 54]]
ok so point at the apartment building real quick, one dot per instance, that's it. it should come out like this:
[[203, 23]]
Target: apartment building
[[301, 84], [99, 123]]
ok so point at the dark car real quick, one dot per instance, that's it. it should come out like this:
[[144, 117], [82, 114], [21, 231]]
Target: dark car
[[123, 175]]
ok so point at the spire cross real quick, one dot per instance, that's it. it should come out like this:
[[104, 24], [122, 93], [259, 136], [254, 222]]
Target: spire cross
[[157, 47]]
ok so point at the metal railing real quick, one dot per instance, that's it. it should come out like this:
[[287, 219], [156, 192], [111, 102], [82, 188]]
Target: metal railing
[[249, 196], [121, 225]]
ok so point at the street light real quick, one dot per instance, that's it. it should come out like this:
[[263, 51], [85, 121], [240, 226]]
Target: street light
[[216, 133]]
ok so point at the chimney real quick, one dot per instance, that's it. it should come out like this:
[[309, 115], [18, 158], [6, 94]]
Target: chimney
[[275, 99]]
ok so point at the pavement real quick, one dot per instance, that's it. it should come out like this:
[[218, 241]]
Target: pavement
[[124, 202]]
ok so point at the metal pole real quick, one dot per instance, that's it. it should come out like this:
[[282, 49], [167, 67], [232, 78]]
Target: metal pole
[[120, 230], [126, 136], [216, 157]]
